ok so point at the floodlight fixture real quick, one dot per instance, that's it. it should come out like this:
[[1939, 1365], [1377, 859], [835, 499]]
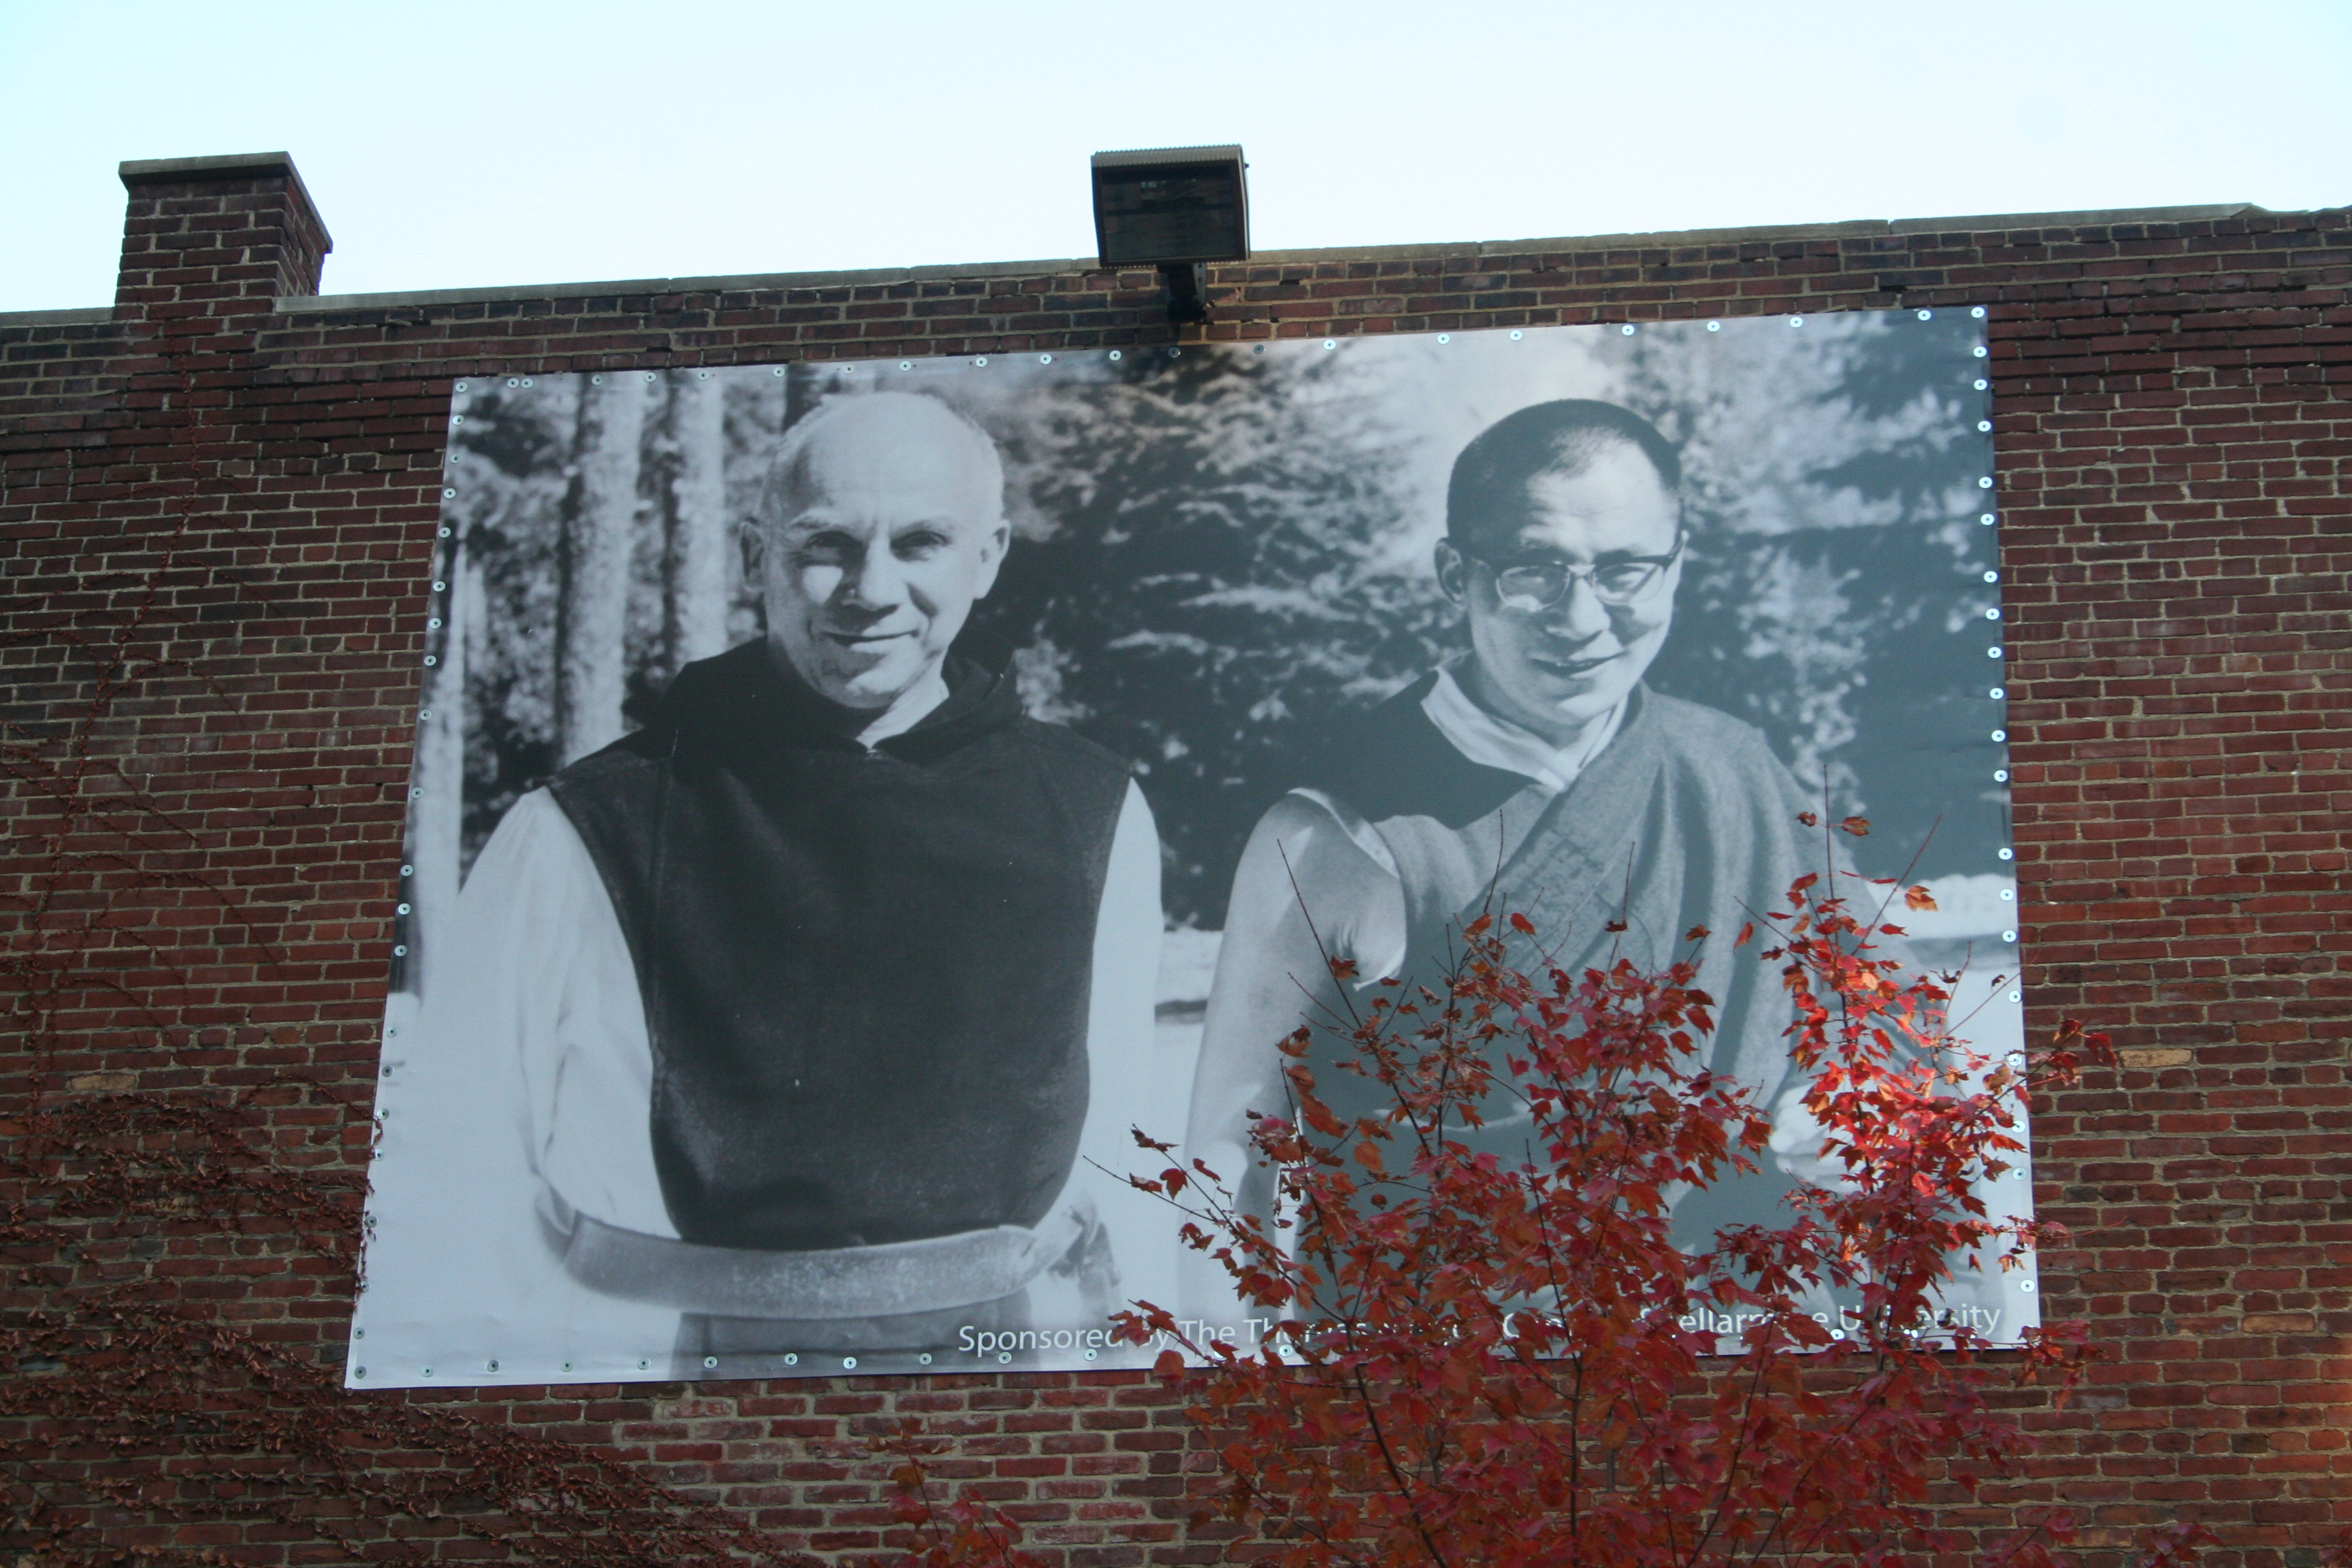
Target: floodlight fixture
[[1175, 208]]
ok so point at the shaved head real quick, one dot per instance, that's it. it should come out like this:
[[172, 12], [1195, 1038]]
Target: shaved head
[[902, 440], [1487, 498], [882, 522]]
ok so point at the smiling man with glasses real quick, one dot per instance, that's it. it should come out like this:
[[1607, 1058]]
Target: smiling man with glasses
[[1534, 774], [1564, 545]]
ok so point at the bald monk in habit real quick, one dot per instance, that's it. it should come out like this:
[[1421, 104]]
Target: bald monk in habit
[[769, 1028]]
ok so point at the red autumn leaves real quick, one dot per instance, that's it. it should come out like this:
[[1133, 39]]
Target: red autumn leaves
[[1515, 1359]]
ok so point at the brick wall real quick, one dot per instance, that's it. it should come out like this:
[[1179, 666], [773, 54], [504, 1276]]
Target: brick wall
[[216, 504]]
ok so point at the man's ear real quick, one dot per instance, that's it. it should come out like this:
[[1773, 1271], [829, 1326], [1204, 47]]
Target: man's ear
[[751, 538], [1453, 572], [992, 557]]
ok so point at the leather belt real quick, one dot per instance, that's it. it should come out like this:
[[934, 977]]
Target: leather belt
[[927, 1276]]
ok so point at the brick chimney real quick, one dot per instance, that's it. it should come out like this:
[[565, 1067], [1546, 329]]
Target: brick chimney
[[217, 235]]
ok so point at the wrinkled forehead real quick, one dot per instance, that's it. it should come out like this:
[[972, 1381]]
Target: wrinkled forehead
[[902, 460], [1610, 501]]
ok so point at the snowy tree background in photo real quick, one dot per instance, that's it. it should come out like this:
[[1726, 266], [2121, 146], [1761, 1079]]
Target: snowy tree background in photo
[[1220, 551]]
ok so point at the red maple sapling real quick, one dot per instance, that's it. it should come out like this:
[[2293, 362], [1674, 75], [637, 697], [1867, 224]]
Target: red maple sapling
[[1510, 1364]]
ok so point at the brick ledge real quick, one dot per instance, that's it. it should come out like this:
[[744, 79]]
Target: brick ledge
[[778, 282], [781, 282]]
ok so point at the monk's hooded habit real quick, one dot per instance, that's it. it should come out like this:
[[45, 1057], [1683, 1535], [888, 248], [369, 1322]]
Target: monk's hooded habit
[[865, 972]]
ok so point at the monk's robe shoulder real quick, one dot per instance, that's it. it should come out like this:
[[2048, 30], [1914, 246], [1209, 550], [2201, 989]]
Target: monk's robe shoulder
[[1064, 748], [1717, 756], [1391, 761], [636, 756]]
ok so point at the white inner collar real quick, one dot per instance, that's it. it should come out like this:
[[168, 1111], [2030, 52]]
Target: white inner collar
[[1497, 742]]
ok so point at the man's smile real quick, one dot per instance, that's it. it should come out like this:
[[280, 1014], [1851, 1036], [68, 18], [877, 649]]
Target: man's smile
[[1572, 665]]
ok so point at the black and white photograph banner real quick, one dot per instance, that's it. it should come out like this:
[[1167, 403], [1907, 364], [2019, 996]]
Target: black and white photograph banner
[[849, 796]]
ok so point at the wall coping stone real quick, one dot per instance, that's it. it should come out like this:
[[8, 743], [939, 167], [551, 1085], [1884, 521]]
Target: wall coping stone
[[260, 163], [226, 166], [80, 316], [780, 282]]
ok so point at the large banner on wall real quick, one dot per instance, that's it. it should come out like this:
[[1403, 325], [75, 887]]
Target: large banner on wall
[[848, 797]]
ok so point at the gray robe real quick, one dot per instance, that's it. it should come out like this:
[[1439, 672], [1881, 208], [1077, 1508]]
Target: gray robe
[[1685, 819]]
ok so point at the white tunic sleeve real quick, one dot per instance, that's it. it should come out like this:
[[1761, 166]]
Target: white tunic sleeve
[[1124, 996], [521, 1095]]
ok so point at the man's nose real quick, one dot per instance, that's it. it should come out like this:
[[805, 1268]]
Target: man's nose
[[877, 581], [1580, 613]]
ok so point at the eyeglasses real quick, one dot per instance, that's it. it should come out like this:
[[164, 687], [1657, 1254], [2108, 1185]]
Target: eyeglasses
[[1541, 585]]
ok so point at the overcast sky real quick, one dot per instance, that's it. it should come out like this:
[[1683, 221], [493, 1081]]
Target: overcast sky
[[456, 145]]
